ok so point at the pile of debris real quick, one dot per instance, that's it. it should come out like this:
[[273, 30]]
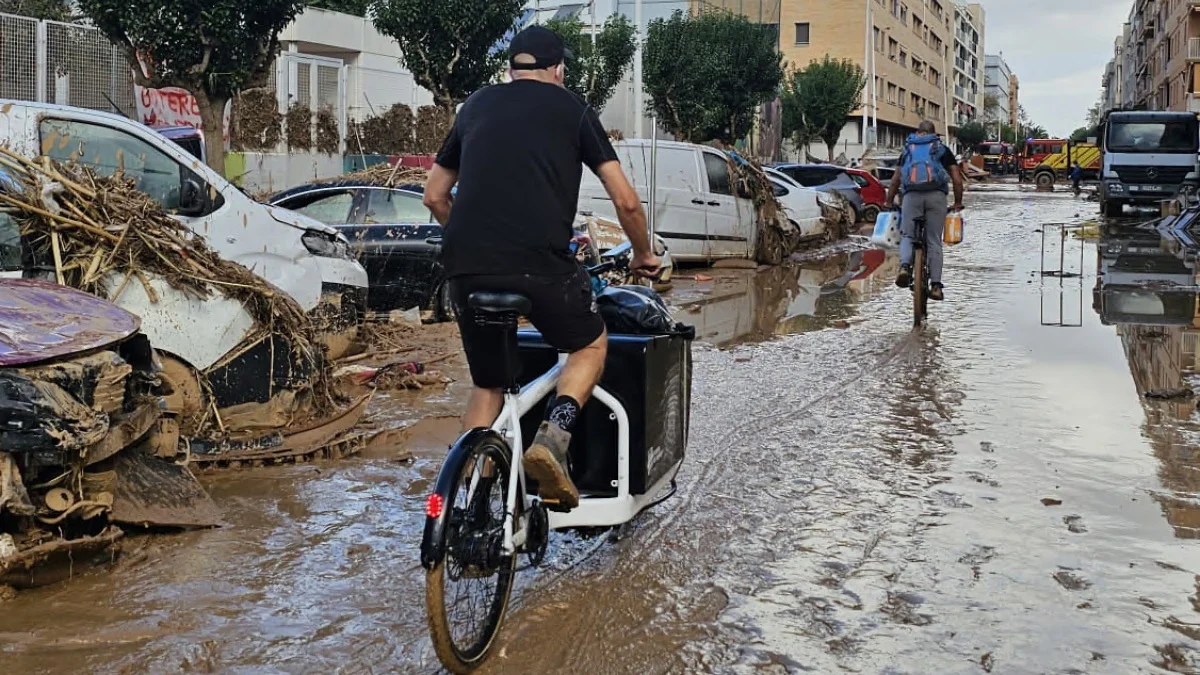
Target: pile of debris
[[383, 175], [101, 234]]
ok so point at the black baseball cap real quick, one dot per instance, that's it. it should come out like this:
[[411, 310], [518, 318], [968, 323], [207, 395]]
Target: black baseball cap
[[543, 44]]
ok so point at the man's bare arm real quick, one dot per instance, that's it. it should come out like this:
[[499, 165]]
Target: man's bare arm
[[437, 192], [628, 205], [893, 189], [956, 177]]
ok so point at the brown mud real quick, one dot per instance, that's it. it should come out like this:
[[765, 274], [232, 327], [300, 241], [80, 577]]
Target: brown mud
[[857, 497]]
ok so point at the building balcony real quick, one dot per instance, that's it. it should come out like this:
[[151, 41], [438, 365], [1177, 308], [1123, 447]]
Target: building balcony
[[1194, 46], [1193, 102]]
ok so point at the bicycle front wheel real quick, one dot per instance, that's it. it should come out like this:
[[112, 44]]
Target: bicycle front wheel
[[467, 592], [920, 287]]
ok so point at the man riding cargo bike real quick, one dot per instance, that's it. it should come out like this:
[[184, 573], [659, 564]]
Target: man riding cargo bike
[[517, 153]]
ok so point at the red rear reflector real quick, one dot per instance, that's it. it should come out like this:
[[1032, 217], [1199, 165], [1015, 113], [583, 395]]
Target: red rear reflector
[[434, 506]]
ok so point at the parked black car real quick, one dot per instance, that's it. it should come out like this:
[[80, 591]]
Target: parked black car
[[396, 238]]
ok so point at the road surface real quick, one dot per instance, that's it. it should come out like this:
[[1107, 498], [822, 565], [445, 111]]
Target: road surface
[[988, 494]]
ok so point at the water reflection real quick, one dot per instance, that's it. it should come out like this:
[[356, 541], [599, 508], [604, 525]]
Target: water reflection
[[1146, 286], [735, 306]]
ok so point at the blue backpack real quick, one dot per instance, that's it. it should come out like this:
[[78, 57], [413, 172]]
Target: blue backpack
[[922, 170]]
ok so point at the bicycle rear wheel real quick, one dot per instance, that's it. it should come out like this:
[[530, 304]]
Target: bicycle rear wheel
[[920, 286], [467, 592]]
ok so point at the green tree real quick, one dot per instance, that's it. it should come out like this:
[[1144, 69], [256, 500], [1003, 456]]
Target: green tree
[[1081, 134], [707, 74], [448, 45], [214, 49], [971, 134], [597, 69], [355, 7], [991, 107], [818, 99], [53, 10]]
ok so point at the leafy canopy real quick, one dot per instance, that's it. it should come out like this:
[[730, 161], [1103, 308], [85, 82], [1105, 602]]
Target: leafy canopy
[[595, 73], [450, 46], [53, 10], [707, 74], [214, 47], [818, 98], [971, 134]]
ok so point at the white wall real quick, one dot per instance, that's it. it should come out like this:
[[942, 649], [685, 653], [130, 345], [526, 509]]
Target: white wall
[[272, 172], [375, 80]]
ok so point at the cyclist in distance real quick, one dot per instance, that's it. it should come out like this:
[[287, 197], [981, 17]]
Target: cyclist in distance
[[927, 170], [517, 152]]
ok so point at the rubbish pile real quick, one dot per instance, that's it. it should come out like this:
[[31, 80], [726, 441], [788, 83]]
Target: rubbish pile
[[383, 175], [80, 424], [102, 235], [777, 238]]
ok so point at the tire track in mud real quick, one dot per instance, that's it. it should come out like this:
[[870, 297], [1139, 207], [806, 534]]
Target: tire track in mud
[[630, 561]]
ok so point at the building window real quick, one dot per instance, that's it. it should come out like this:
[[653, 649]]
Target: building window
[[892, 47], [802, 33], [891, 94]]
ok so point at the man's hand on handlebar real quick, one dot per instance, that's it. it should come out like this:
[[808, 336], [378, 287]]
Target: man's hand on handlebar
[[646, 265]]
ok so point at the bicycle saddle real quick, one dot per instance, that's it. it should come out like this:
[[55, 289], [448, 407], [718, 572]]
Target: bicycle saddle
[[488, 301]]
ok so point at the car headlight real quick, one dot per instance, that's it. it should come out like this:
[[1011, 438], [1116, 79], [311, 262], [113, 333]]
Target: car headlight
[[325, 245], [1116, 187]]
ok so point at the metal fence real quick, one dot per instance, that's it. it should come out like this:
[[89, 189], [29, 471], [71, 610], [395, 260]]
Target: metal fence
[[62, 63]]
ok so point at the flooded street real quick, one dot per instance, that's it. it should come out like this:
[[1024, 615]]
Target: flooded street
[[994, 493]]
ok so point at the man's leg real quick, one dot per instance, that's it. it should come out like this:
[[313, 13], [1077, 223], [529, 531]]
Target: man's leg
[[583, 370], [482, 408], [936, 209], [565, 312], [909, 211]]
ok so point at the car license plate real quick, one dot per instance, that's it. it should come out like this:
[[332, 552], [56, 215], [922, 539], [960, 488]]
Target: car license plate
[[1150, 188]]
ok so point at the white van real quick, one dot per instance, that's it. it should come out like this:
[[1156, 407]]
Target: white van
[[696, 211], [305, 258]]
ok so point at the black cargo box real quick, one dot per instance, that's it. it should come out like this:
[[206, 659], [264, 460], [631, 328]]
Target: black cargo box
[[651, 375]]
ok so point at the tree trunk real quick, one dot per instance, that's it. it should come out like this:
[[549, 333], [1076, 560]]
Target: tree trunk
[[212, 114], [832, 148]]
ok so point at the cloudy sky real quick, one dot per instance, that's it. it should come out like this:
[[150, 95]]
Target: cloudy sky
[[1058, 50]]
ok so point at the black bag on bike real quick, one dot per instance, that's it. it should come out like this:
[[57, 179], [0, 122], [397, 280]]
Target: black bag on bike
[[634, 310]]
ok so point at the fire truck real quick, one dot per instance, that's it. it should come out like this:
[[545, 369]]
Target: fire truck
[[1045, 160], [997, 158]]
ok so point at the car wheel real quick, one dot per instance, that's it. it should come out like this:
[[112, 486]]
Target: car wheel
[[870, 213]]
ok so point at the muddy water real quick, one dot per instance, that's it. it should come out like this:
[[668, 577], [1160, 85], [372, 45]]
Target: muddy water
[[990, 494]]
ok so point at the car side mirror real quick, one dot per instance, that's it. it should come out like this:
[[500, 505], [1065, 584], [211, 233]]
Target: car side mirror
[[192, 200]]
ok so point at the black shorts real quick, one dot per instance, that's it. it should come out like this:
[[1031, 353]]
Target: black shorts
[[564, 312]]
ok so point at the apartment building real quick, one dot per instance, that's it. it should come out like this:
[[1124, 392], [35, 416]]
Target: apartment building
[[1155, 56], [908, 60], [1114, 77], [998, 78], [969, 63]]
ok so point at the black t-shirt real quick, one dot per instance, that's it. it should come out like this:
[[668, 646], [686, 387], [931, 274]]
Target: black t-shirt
[[519, 149]]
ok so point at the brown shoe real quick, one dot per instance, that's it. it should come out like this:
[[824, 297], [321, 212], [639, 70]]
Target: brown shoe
[[546, 462]]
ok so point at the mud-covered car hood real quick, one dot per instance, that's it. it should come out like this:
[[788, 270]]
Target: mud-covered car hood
[[40, 321], [299, 220]]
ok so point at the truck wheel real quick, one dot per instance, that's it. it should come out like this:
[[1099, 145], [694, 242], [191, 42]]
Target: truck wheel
[[1111, 208], [1044, 180]]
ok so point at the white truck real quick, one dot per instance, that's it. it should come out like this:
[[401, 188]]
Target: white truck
[[1149, 156]]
